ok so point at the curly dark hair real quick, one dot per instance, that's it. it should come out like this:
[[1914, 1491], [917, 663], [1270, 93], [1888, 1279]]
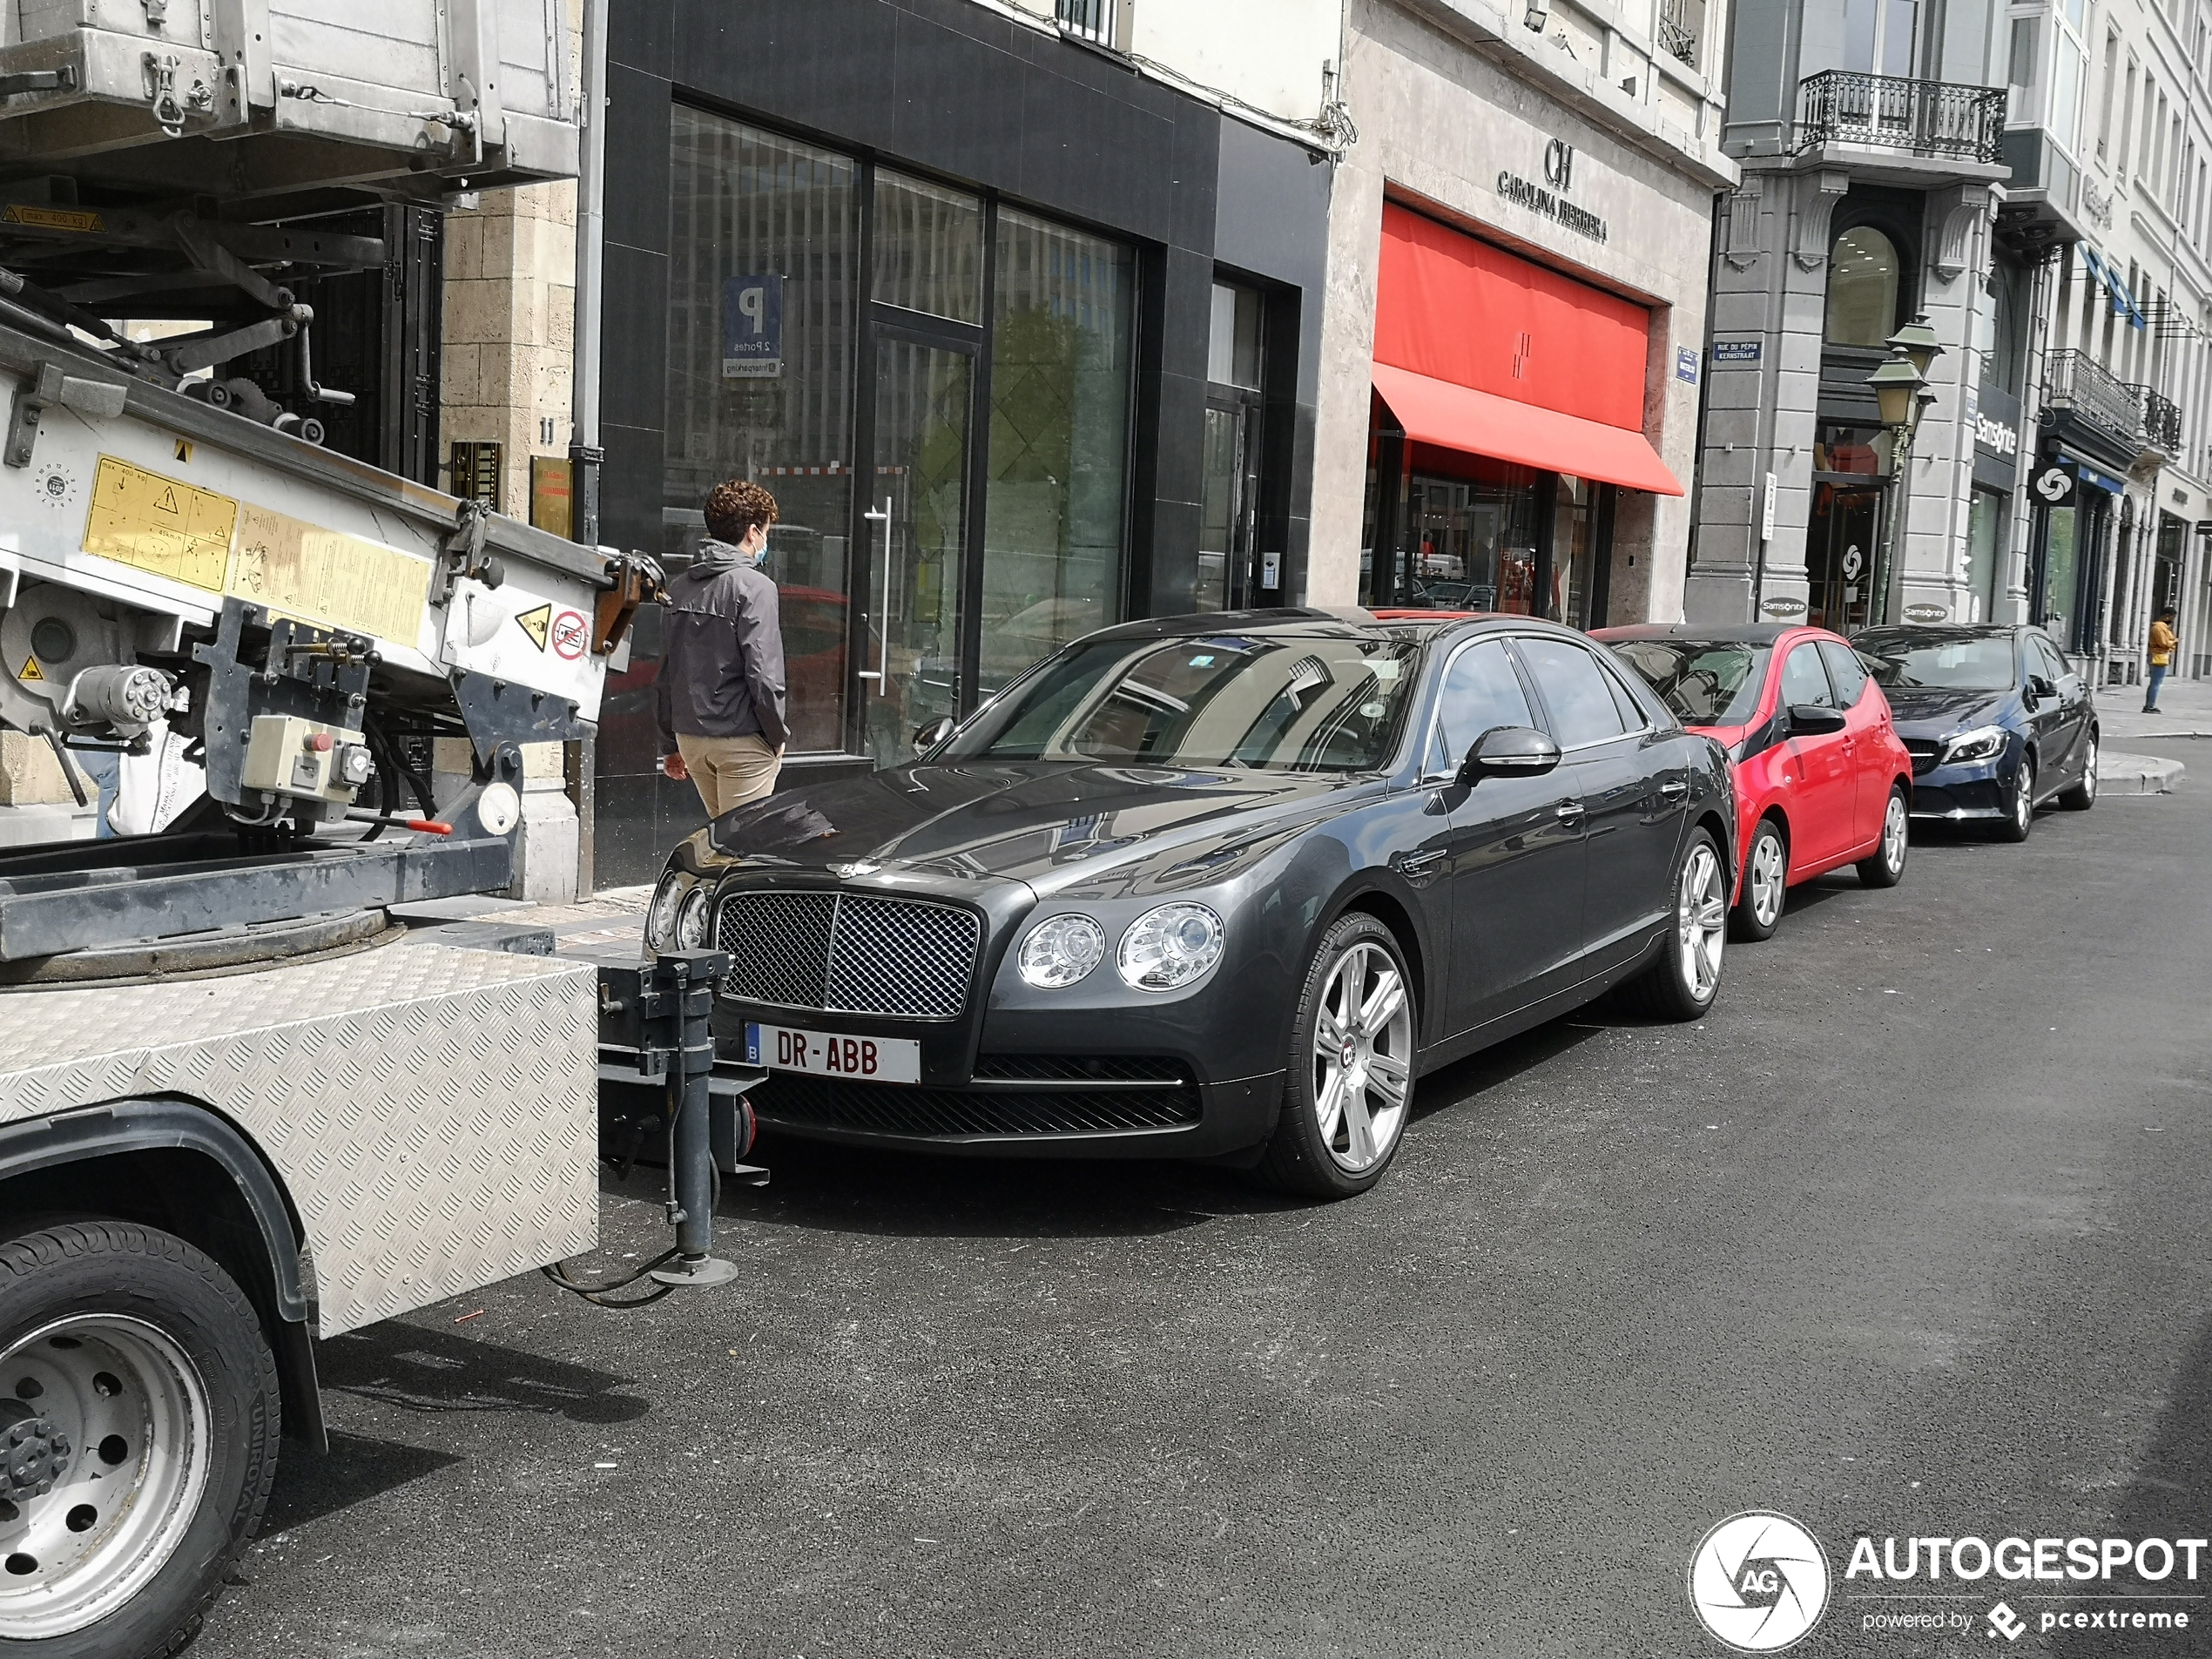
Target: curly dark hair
[[735, 507]]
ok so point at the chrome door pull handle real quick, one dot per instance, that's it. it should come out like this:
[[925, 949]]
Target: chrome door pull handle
[[1569, 809], [1419, 863], [881, 672], [1673, 789]]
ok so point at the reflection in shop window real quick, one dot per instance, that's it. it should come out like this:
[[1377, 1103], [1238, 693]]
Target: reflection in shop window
[[1985, 583], [1060, 386], [1474, 540], [2061, 575], [763, 255], [928, 247]]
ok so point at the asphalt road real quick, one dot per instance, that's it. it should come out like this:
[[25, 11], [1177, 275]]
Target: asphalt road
[[1906, 1237]]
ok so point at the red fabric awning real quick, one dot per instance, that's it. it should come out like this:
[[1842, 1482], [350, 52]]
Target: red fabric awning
[[1459, 417]]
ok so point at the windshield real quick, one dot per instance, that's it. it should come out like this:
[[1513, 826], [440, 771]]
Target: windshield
[[1953, 662], [1704, 682], [1271, 703]]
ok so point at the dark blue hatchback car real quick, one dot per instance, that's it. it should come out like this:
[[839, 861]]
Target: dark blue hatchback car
[[1995, 720]]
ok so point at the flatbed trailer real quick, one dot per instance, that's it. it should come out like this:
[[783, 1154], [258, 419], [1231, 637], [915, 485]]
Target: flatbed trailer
[[256, 1088]]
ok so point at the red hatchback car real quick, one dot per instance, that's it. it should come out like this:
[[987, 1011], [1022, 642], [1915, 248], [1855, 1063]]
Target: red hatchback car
[[1822, 779]]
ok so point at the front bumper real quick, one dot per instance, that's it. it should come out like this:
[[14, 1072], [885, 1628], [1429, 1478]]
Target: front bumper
[[1035, 1117], [1973, 789], [1156, 1080]]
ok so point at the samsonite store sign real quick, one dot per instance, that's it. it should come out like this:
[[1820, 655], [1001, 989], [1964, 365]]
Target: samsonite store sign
[[1993, 417]]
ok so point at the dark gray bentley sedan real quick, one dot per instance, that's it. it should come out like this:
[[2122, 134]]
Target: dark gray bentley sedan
[[1217, 886]]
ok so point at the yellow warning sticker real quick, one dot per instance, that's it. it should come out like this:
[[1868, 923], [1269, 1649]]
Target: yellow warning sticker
[[329, 577], [159, 525], [536, 623], [31, 670], [52, 218]]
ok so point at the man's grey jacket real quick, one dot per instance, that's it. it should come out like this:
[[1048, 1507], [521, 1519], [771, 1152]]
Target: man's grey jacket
[[722, 653]]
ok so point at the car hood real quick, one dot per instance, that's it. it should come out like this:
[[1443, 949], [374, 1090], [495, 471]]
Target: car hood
[[1048, 824], [1933, 711]]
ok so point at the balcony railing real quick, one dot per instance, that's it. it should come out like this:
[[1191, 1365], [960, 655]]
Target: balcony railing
[[1680, 22], [2161, 423], [2075, 381], [1090, 19], [1924, 118]]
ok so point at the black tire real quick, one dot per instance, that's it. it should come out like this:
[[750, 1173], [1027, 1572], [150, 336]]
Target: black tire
[[85, 1270], [2083, 795], [1300, 1158], [1666, 990], [1752, 919], [1886, 866], [2019, 821]]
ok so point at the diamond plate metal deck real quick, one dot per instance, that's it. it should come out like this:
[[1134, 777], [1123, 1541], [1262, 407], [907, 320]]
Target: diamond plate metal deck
[[431, 1111]]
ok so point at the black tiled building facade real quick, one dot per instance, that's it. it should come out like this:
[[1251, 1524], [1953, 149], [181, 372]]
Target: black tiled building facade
[[1023, 340]]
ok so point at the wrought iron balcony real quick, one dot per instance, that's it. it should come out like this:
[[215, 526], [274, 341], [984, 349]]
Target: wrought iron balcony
[[1889, 112], [2075, 382], [1680, 23], [2161, 423]]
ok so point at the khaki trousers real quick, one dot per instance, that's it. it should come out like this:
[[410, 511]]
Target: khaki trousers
[[729, 772]]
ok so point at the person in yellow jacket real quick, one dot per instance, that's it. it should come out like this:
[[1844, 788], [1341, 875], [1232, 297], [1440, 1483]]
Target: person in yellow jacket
[[2163, 639]]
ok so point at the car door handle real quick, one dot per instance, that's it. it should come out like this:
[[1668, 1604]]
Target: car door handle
[[1673, 789], [1414, 864], [1567, 811]]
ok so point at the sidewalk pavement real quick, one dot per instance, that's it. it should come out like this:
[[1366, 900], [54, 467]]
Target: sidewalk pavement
[[2185, 711]]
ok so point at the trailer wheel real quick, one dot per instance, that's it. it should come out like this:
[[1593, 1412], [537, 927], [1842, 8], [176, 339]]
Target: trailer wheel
[[139, 1423]]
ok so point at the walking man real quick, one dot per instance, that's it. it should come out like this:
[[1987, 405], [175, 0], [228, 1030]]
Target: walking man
[[721, 696], [2163, 639]]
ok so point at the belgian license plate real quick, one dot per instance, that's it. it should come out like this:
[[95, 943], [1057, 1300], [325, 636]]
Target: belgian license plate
[[827, 1054]]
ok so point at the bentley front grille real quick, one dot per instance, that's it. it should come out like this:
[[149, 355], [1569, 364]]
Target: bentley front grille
[[849, 952]]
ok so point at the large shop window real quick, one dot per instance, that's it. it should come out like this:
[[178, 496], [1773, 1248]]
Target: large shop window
[[1059, 378], [1508, 407], [946, 433], [1984, 562], [1862, 288]]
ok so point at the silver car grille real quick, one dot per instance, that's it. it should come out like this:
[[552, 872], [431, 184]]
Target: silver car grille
[[849, 952]]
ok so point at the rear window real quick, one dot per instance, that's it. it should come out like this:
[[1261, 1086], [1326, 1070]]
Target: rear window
[[1704, 681]]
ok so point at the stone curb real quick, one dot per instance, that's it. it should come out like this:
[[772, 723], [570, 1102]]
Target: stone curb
[[2123, 774]]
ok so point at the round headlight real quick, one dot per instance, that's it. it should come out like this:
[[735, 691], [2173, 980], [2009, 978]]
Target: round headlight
[[1059, 950], [690, 921], [660, 916], [1170, 946]]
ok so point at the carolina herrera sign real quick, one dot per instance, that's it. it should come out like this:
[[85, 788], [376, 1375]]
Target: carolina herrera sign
[[1550, 199]]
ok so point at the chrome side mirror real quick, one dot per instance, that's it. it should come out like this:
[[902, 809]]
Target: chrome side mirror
[[933, 734]]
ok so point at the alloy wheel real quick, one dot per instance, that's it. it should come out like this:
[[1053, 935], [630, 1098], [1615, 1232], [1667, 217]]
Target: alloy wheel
[[1363, 1045], [1894, 830], [2089, 774], [2024, 797], [1701, 922], [106, 1459], [1768, 877]]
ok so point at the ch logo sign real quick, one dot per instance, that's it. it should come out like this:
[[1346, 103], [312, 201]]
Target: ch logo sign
[[2054, 484], [1558, 166]]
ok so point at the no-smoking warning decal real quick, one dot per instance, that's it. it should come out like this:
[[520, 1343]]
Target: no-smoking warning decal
[[570, 631]]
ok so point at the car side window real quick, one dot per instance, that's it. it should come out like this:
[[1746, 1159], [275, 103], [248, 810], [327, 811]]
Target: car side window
[[1845, 671], [1634, 716], [1575, 692], [1804, 680], [1481, 690], [2048, 661]]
